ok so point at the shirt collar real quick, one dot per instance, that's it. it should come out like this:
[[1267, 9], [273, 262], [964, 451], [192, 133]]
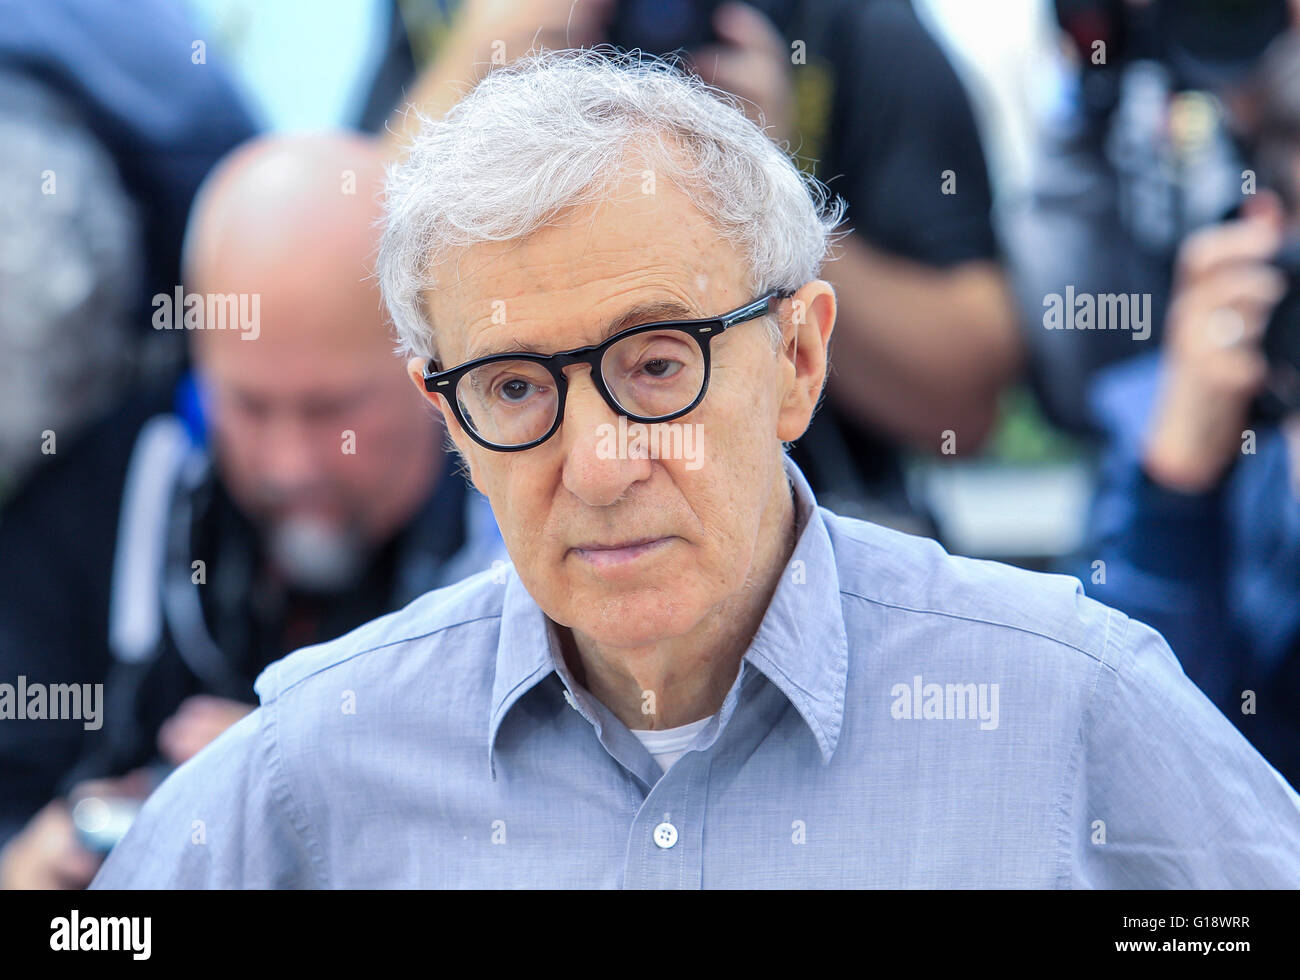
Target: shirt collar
[[801, 645]]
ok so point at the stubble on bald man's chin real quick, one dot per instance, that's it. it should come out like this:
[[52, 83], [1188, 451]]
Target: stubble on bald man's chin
[[311, 552], [316, 555]]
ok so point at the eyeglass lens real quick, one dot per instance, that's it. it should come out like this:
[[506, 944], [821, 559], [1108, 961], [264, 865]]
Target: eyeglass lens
[[651, 375]]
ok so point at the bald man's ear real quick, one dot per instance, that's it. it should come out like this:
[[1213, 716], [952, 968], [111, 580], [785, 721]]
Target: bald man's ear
[[415, 371]]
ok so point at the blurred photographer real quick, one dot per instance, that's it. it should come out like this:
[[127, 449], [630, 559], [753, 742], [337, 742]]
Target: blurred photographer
[[1148, 141], [293, 491], [1198, 519]]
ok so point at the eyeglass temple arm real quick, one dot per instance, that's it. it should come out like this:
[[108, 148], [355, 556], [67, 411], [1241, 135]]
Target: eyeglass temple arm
[[755, 309]]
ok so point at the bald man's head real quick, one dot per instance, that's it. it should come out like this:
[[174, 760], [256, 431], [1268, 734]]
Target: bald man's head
[[292, 219], [318, 435]]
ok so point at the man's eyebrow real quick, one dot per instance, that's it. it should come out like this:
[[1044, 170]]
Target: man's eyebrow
[[651, 311]]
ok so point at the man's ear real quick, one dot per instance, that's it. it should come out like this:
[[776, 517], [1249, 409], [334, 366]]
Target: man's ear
[[806, 325], [415, 371]]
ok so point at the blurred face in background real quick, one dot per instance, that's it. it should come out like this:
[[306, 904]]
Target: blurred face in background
[[317, 435], [313, 439]]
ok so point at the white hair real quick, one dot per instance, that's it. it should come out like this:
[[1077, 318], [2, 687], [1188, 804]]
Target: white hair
[[552, 131]]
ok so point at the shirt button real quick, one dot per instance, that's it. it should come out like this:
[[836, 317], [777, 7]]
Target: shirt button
[[665, 835]]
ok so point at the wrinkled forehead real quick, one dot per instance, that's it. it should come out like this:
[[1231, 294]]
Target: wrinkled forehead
[[644, 242]]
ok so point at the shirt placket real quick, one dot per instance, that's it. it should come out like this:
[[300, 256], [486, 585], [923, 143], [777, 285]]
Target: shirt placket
[[665, 845]]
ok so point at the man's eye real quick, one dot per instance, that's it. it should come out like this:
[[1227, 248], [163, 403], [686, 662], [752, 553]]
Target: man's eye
[[661, 367], [514, 390]]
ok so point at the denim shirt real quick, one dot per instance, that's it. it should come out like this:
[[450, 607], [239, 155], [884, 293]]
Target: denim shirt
[[902, 718]]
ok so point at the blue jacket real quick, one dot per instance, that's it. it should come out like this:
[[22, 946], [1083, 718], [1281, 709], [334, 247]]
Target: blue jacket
[[1217, 573]]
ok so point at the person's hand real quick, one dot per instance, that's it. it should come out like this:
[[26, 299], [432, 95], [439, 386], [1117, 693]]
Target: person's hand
[[47, 854], [516, 25], [197, 722], [1212, 366], [752, 63], [484, 34]]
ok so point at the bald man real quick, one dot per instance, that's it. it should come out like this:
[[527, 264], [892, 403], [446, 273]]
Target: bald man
[[295, 491], [318, 440]]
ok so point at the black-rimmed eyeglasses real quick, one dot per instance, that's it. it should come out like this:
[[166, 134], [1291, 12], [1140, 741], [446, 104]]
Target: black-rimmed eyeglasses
[[653, 372]]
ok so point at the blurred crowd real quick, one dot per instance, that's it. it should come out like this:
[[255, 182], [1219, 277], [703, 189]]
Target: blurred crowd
[[210, 457]]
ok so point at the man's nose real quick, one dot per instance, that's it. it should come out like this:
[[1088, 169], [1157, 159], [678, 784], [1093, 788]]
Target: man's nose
[[601, 458], [290, 457]]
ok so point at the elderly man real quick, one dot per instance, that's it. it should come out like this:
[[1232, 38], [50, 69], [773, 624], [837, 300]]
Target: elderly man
[[692, 676]]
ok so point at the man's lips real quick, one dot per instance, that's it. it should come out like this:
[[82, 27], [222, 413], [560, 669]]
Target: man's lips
[[603, 555]]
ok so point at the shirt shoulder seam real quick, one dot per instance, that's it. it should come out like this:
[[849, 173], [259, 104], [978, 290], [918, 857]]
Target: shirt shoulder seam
[[372, 649], [975, 619], [282, 794], [1088, 720]]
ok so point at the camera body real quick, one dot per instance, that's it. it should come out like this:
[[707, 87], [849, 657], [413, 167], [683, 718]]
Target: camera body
[[1281, 342], [663, 26], [1205, 44]]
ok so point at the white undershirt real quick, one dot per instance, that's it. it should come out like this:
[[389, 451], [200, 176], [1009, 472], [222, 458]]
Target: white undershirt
[[667, 745]]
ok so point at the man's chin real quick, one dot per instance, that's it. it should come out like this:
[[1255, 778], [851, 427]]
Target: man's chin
[[633, 617]]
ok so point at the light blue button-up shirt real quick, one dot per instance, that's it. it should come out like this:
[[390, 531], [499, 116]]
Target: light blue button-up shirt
[[903, 718]]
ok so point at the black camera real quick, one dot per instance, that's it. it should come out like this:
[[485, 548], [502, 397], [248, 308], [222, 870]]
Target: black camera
[[1204, 43], [663, 26], [1281, 342]]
